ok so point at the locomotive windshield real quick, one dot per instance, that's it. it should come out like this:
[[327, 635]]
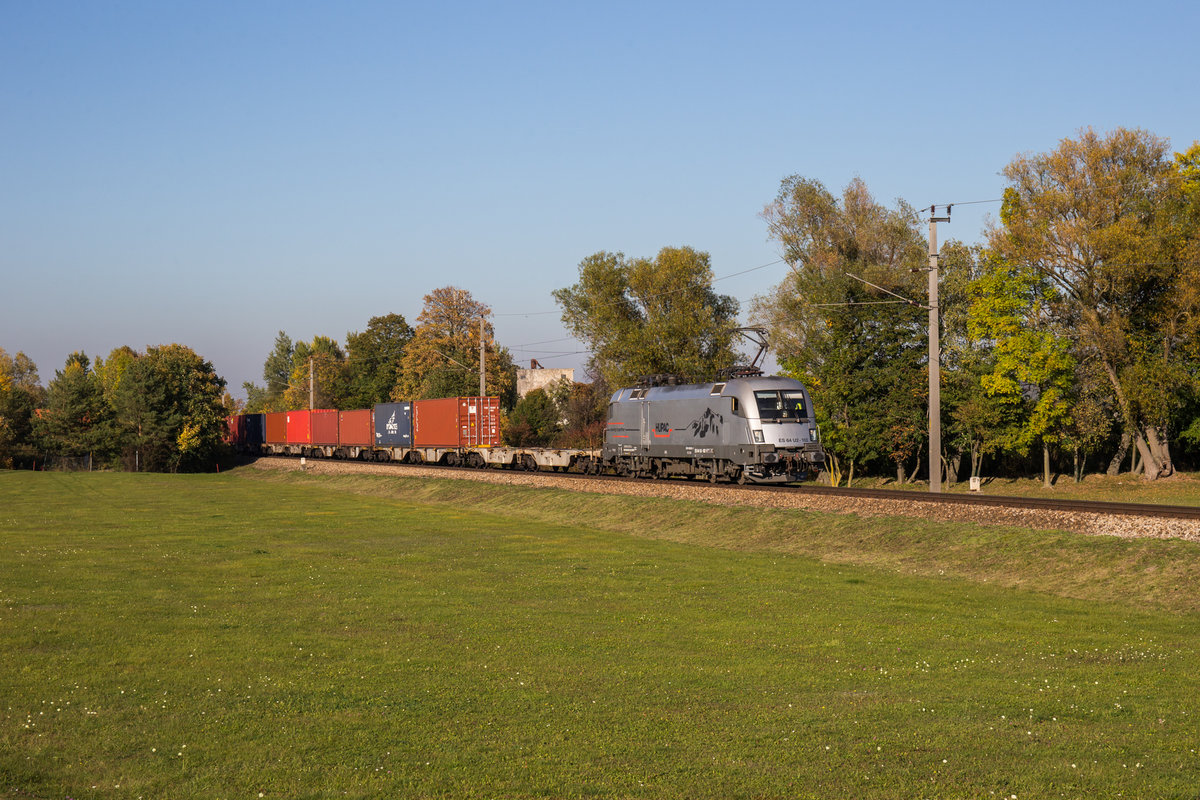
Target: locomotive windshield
[[788, 404]]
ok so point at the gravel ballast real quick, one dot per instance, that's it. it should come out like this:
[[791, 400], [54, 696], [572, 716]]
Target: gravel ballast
[[1078, 522]]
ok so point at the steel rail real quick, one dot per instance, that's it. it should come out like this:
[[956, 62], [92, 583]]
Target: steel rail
[[1005, 501], [910, 496]]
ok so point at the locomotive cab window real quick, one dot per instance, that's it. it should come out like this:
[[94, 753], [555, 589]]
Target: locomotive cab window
[[788, 404]]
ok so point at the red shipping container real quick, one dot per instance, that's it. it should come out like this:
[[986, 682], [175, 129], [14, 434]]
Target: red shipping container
[[457, 422], [300, 426], [276, 427], [356, 428], [324, 427], [235, 430], [479, 420]]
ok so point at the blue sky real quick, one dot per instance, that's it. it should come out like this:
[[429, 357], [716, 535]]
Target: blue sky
[[211, 173]]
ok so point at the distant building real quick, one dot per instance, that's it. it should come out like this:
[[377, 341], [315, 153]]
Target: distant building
[[539, 378]]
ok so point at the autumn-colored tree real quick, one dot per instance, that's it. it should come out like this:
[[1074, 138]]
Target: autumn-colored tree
[[1183, 325], [323, 361], [442, 358], [651, 316], [232, 405], [20, 394], [109, 371], [1103, 219], [584, 407]]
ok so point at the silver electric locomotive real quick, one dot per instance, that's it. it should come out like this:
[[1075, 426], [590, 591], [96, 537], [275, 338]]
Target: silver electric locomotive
[[746, 429]]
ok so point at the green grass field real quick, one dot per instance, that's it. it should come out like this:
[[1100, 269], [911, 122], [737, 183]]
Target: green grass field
[[279, 635]]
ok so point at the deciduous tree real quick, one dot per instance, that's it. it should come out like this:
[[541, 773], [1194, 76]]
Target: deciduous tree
[[169, 406], [1103, 219], [533, 422], [650, 316], [111, 370], [860, 349], [584, 406], [277, 371], [321, 359], [1032, 376], [442, 358], [375, 360], [20, 395]]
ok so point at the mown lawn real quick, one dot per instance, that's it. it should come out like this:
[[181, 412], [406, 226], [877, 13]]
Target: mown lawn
[[249, 635]]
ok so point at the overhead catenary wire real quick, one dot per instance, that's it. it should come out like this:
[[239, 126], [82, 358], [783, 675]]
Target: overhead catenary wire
[[1097, 186], [863, 303]]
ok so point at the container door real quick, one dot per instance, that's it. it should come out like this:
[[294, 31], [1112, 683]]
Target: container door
[[470, 430]]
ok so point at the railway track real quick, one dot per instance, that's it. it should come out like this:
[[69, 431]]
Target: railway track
[[1129, 520], [973, 500], [1002, 501]]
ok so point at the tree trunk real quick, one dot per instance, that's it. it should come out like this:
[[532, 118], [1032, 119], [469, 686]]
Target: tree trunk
[[1045, 465], [1152, 468], [833, 468], [1114, 466], [916, 468], [1161, 449], [976, 459], [952, 466]]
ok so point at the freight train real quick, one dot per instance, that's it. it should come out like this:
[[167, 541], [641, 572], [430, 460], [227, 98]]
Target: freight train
[[748, 429]]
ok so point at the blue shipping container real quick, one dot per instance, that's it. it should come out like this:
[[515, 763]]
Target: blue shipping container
[[393, 425], [255, 429]]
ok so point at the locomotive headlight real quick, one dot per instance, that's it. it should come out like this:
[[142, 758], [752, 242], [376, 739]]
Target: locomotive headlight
[[758, 437]]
